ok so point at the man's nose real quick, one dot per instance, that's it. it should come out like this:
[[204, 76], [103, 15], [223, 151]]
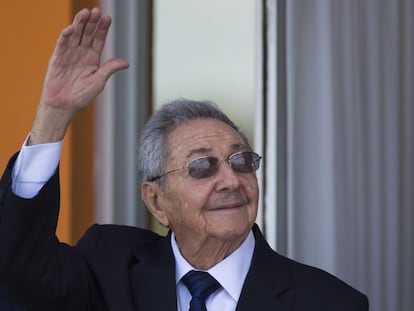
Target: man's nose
[[227, 178]]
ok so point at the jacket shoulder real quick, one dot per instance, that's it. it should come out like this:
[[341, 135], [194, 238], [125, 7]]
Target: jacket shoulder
[[302, 286], [124, 231], [115, 238]]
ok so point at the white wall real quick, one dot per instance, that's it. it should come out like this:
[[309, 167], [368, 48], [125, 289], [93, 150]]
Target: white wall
[[207, 50]]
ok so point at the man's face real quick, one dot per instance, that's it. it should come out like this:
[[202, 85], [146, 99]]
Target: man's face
[[220, 208]]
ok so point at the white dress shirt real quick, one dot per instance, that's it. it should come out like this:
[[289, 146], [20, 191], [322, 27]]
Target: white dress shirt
[[33, 168], [230, 273], [36, 164]]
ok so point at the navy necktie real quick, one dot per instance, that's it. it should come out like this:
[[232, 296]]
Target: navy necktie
[[201, 285]]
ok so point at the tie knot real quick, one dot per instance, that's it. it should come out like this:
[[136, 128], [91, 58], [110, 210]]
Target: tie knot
[[200, 284]]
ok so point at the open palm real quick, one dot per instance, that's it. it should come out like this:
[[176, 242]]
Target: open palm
[[75, 75]]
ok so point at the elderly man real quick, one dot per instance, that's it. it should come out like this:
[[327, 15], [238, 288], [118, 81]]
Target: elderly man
[[198, 179]]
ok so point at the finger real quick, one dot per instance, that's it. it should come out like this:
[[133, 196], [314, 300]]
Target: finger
[[101, 32], [62, 43], [90, 26], [111, 66], [81, 18]]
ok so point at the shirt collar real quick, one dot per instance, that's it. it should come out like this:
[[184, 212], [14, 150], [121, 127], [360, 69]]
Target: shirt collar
[[230, 272]]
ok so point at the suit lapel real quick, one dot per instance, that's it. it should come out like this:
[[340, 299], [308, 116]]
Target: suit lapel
[[267, 282], [152, 276]]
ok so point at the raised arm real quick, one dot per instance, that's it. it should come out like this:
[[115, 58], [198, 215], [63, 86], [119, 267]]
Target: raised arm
[[33, 264], [75, 75]]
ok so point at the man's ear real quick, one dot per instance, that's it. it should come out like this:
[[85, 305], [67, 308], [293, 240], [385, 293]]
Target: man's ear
[[151, 194]]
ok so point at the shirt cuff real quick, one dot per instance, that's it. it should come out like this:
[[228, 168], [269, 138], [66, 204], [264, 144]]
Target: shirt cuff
[[34, 166]]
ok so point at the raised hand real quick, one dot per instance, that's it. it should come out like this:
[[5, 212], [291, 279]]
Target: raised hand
[[75, 75]]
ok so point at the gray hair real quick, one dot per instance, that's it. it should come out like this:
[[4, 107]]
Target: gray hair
[[152, 152]]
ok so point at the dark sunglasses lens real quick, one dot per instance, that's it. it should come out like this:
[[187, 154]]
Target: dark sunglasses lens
[[245, 162], [203, 167]]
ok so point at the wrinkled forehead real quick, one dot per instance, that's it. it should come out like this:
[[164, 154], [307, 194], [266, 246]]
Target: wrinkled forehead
[[203, 136]]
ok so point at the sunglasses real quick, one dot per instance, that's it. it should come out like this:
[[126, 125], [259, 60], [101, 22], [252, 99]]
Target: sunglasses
[[242, 162]]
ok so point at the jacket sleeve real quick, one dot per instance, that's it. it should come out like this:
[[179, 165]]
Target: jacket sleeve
[[44, 273]]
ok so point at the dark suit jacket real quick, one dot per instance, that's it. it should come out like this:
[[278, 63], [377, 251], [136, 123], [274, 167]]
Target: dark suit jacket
[[7, 302], [127, 268]]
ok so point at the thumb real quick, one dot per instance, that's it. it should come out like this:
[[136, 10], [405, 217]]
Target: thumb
[[111, 66]]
